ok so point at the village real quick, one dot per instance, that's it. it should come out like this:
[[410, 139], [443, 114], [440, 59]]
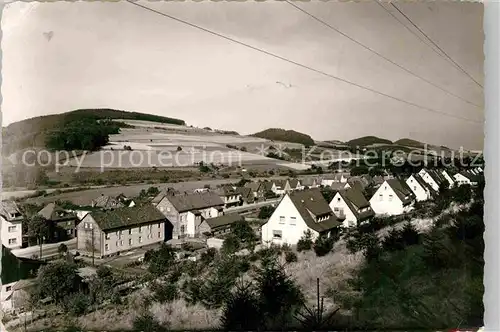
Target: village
[[119, 233]]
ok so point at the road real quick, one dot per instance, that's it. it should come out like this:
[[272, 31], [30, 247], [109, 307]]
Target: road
[[48, 250], [251, 206], [85, 197], [24, 193]]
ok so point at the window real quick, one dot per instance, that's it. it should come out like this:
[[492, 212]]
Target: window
[[130, 231], [293, 221], [168, 208], [68, 232], [13, 241], [183, 229], [414, 188], [140, 239], [380, 197], [121, 243], [390, 198], [8, 288], [338, 199], [120, 233], [86, 225], [108, 236], [129, 242], [336, 209], [117, 243], [159, 225], [106, 247], [140, 229], [12, 229], [282, 219], [277, 235], [159, 234]]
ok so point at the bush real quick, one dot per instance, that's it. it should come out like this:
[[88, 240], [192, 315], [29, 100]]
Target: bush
[[230, 245], [241, 310], [305, 242], [164, 293], [323, 245], [208, 256], [290, 257], [76, 304], [147, 323]]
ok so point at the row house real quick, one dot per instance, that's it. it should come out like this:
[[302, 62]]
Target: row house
[[434, 178], [393, 197], [328, 179], [422, 190], [297, 213], [466, 178], [187, 211], [110, 232], [351, 207]]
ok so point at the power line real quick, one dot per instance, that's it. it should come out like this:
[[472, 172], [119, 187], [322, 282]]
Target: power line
[[380, 55], [299, 64], [458, 66], [410, 30]]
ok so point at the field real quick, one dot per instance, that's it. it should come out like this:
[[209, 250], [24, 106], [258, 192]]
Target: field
[[161, 145]]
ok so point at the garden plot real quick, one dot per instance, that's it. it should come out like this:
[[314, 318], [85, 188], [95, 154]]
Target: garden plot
[[165, 158]]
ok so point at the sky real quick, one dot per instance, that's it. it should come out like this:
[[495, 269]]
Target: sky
[[62, 56]]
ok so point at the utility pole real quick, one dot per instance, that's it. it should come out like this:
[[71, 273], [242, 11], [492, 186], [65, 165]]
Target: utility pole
[[93, 246]]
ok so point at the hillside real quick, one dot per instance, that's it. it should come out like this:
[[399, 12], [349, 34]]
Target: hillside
[[292, 136], [368, 140], [32, 132], [410, 143]]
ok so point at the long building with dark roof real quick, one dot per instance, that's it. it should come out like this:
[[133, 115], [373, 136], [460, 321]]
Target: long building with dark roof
[[109, 232]]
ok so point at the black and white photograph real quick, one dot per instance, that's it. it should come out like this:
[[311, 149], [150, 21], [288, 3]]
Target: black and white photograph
[[242, 166]]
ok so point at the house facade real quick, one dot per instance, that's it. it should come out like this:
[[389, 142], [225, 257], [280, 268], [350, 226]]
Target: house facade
[[62, 223], [433, 178], [297, 213], [449, 178], [419, 187], [11, 228], [219, 225], [292, 185], [106, 233], [393, 197], [14, 271], [464, 178], [257, 188], [278, 187], [230, 196], [107, 202], [351, 207], [187, 211]]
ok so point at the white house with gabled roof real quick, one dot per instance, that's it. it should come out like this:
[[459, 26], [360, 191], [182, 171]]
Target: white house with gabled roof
[[419, 187], [297, 213], [351, 207], [448, 178], [432, 177], [393, 197]]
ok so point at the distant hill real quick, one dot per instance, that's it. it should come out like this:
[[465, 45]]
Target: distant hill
[[368, 140], [410, 143], [32, 132], [292, 136]]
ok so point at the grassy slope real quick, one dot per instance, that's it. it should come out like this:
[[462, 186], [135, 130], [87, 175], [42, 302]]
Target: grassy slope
[[32, 132], [278, 134], [368, 140]]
